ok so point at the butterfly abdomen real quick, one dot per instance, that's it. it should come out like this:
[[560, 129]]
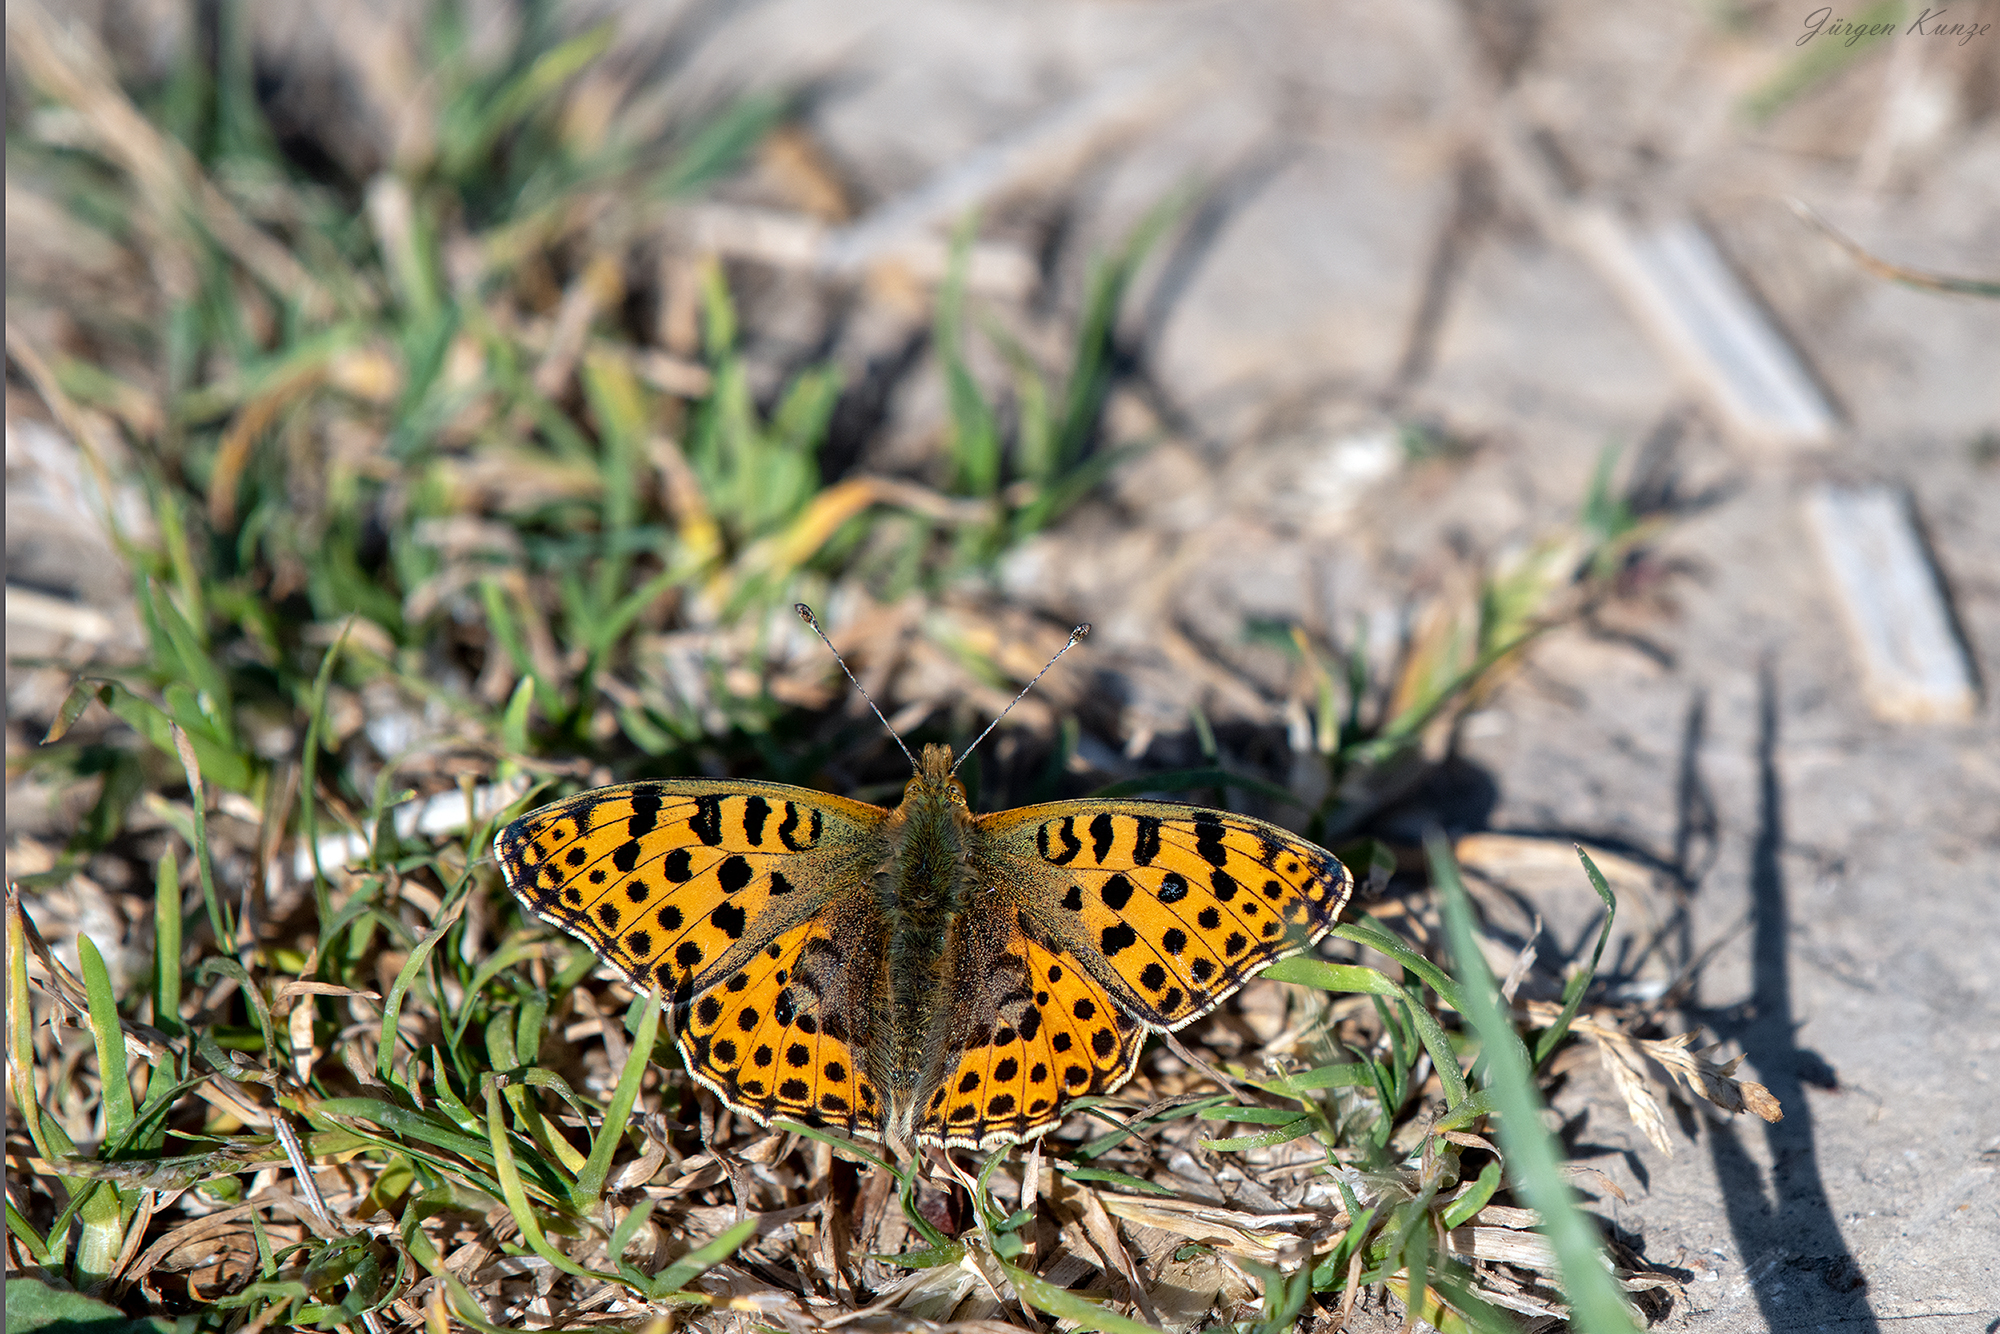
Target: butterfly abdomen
[[922, 896]]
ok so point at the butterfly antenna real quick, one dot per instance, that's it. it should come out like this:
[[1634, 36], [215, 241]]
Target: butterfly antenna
[[1074, 635], [806, 615]]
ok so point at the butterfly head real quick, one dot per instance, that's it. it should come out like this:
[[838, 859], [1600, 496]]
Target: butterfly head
[[934, 779]]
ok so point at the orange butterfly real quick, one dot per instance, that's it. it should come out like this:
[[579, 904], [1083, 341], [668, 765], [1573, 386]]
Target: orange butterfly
[[924, 974]]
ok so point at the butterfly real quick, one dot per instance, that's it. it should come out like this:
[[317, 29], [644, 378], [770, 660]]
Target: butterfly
[[923, 975]]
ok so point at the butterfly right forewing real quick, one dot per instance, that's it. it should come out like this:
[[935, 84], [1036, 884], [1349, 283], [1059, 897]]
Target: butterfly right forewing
[[1171, 908]]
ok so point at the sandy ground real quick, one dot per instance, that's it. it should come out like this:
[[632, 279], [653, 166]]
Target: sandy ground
[[1358, 258]]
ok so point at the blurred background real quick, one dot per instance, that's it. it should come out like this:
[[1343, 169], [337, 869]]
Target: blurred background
[[1543, 420]]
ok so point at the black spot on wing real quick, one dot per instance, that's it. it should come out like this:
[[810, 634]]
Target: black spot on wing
[[1057, 841], [756, 811], [706, 822], [645, 813], [1146, 841], [1101, 831], [728, 919], [1208, 838]]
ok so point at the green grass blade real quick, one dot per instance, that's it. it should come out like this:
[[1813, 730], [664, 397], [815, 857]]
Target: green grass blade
[[392, 1006], [590, 1181], [21, 1024], [1367, 931], [504, 958], [716, 148], [974, 436], [101, 1238], [218, 912], [523, 94], [1443, 1055], [1475, 1198], [1307, 972], [1479, 1104], [408, 1125], [703, 1258], [221, 763], [514, 723], [24, 1232], [1063, 1304], [1252, 1116], [924, 1257], [628, 1228], [198, 669], [1597, 1307], [74, 703], [309, 767], [1298, 1128], [1345, 1074], [845, 1147], [167, 945], [425, 1253], [1350, 977], [113, 1061], [1110, 1177], [1573, 990], [516, 1196]]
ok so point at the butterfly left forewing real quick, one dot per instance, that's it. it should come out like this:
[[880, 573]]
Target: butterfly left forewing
[[676, 883], [1171, 908]]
